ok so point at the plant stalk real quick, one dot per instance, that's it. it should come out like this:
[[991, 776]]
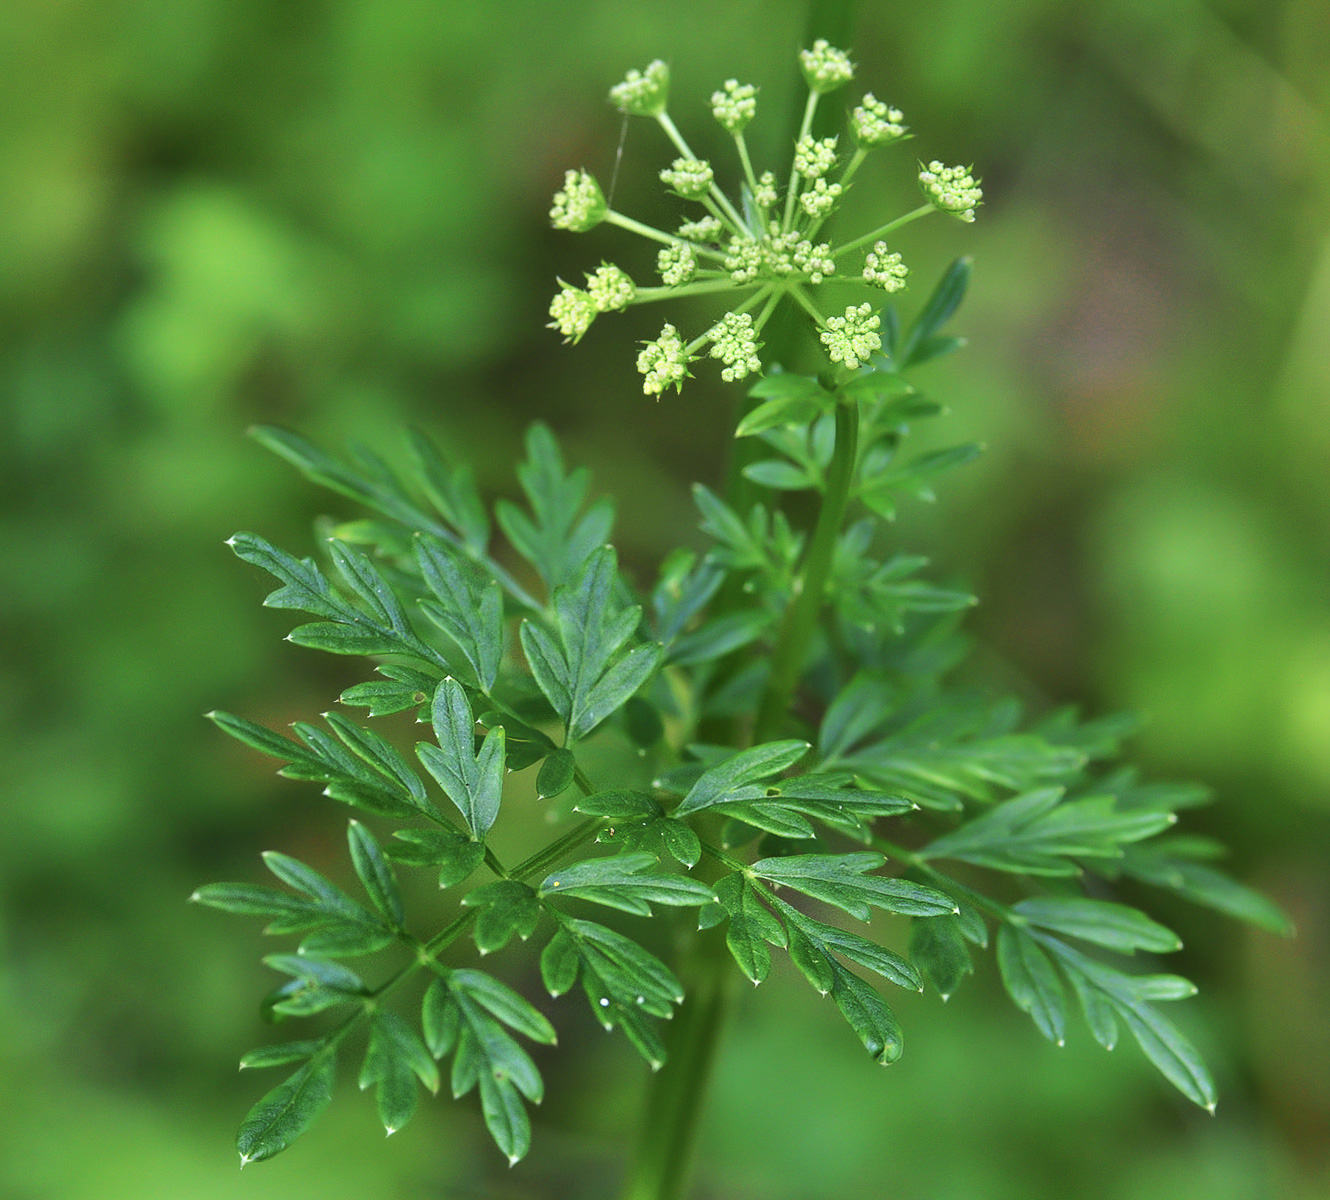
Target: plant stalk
[[667, 1146], [801, 618]]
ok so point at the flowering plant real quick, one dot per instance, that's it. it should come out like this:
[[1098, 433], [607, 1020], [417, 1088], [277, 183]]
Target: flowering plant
[[803, 753]]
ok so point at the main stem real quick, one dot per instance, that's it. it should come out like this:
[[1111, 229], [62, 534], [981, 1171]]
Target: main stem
[[801, 618], [674, 1107]]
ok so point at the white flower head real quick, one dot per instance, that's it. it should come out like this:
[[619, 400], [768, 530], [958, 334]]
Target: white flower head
[[735, 106], [735, 343], [951, 189], [813, 158], [663, 363], [676, 264], [766, 195], [852, 338], [820, 199], [610, 288], [643, 93], [884, 270], [876, 124], [689, 177], [580, 205], [707, 229], [825, 68], [573, 311]]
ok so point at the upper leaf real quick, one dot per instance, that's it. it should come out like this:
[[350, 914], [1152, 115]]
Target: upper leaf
[[581, 671], [553, 537]]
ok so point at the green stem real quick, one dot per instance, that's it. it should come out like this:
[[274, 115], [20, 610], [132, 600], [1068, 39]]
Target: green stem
[[801, 618], [790, 196], [659, 235], [664, 1159], [672, 132], [882, 231], [742, 146], [648, 295]]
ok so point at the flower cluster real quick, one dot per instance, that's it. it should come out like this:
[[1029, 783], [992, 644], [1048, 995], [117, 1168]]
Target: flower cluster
[[766, 248], [952, 189]]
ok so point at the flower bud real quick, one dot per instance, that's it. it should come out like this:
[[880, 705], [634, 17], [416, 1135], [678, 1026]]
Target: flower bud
[[643, 93], [573, 311], [735, 344], [735, 106], [852, 338], [610, 288], [951, 189], [875, 124], [825, 68], [676, 264], [663, 363], [884, 270], [690, 178], [580, 205]]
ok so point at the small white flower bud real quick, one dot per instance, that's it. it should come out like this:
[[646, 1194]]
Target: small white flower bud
[[825, 68], [735, 344], [735, 106], [610, 288], [643, 93], [814, 158], [816, 261], [663, 363], [852, 338], [689, 177], [875, 124], [766, 195], [573, 311], [820, 199], [705, 230], [676, 264], [951, 189], [580, 205], [744, 259], [884, 270]]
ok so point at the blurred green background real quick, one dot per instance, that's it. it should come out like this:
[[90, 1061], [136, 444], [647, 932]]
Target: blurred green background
[[330, 214]]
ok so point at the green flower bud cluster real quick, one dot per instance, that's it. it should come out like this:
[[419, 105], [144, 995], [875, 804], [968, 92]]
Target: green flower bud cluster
[[676, 264], [884, 270], [873, 123], [951, 189], [825, 68], [580, 205], [734, 107], [813, 159], [764, 246], [608, 290], [852, 338], [734, 342], [690, 178], [664, 362], [643, 93]]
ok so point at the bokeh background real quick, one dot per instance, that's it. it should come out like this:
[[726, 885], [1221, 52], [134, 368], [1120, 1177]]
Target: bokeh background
[[330, 214]]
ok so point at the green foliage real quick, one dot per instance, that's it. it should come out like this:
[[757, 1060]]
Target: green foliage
[[878, 736], [806, 750]]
